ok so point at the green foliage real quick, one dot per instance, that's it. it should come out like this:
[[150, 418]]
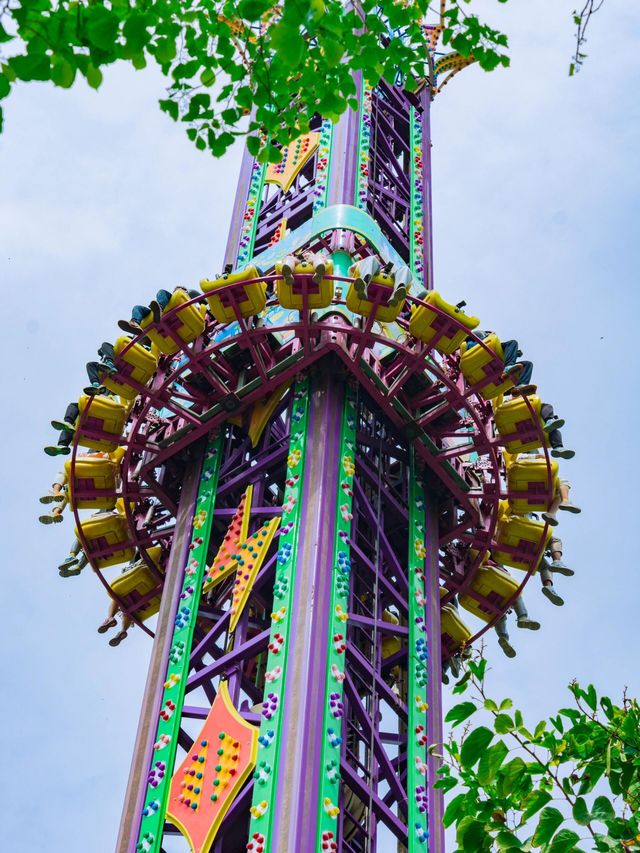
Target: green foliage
[[235, 67], [565, 785]]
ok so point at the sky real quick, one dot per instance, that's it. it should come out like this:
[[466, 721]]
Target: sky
[[103, 201]]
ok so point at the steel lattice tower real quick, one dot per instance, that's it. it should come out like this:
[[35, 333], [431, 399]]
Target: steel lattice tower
[[304, 490]]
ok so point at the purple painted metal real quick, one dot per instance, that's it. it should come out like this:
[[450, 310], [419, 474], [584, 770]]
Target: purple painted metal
[[297, 793], [143, 748]]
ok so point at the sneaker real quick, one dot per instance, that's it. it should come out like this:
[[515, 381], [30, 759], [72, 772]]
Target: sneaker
[[398, 295], [69, 573], [553, 423], [62, 426], [156, 310], [550, 519], [57, 450], [445, 677], [68, 561], [506, 647], [94, 390], [562, 453], [568, 507], [287, 274], [107, 366], [49, 499], [318, 273], [46, 519], [550, 593], [110, 622], [525, 390], [454, 666], [559, 567], [529, 624], [360, 287], [513, 371], [57, 517], [119, 637], [130, 327]]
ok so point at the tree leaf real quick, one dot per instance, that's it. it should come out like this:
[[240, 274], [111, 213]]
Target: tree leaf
[[564, 841], [581, 812], [490, 762], [460, 712], [474, 744], [550, 820], [62, 72], [454, 809], [534, 802], [503, 724], [102, 26], [602, 809]]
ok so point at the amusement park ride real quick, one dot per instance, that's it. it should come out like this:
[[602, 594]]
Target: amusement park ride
[[297, 476]]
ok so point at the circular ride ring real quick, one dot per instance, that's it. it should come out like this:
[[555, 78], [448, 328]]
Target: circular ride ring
[[198, 388]]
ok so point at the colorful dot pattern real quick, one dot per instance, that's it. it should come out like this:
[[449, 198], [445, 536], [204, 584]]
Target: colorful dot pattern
[[328, 810], [417, 210], [250, 219], [364, 143], [322, 166], [269, 739], [418, 674], [163, 758]]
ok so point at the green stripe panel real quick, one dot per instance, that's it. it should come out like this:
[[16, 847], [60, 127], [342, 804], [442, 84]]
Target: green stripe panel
[[252, 208], [364, 144], [269, 739], [417, 212], [166, 743], [418, 677], [333, 709]]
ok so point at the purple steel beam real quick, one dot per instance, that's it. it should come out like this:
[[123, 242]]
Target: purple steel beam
[[143, 748], [295, 814]]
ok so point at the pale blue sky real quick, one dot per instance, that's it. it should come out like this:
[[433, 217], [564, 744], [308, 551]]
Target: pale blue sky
[[103, 201]]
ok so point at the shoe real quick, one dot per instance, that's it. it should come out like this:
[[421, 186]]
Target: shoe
[[568, 507], [130, 327], [49, 499], [62, 426], [57, 517], [562, 453], [119, 637], [513, 370], [156, 310], [110, 622], [550, 593], [94, 390], [550, 519], [454, 665], [506, 647], [525, 390], [445, 677], [57, 450], [107, 367], [68, 562], [559, 567], [529, 624], [287, 274], [318, 273], [360, 287], [46, 519], [69, 573], [553, 423], [398, 295]]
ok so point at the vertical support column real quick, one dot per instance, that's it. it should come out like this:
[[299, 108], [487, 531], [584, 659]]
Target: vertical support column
[[328, 768], [426, 831], [285, 810], [170, 661]]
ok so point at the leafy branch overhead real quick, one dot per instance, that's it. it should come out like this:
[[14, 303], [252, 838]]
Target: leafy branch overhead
[[238, 67], [565, 785]]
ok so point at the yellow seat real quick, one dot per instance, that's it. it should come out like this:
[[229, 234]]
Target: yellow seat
[[137, 582], [187, 324], [454, 632], [138, 363], [250, 299], [532, 476], [106, 415], [92, 474], [107, 529], [478, 365], [494, 584], [520, 427], [318, 295], [380, 285], [426, 324], [522, 536]]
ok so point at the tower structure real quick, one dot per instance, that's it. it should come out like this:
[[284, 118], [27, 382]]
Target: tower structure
[[306, 466]]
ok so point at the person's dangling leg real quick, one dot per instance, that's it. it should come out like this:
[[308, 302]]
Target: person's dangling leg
[[548, 589], [110, 621], [556, 558], [564, 488], [523, 620], [503, 637]]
